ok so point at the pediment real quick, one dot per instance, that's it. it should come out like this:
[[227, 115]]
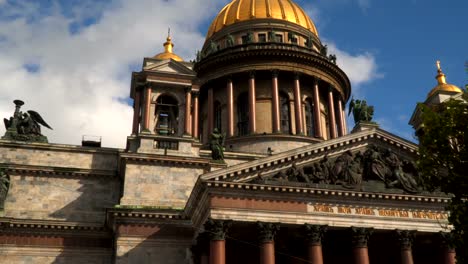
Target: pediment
[[166, 66], [371, 160]]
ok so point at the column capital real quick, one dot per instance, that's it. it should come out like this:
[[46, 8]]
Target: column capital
[[195, 93], [314, 233], [274, 73], [252, 74], [406, 238], [330, 88], [148, 85], [188, 89], [229, 78], [267, 231], [297, 75], [217, 229], [448, 240], [316, 80], [360, 236]]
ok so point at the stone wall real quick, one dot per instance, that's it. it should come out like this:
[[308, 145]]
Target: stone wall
[[53, 255], [152, 251], [159, 185]]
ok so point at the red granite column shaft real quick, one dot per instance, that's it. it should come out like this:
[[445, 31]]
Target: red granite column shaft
[[217, 252], [318, 124], [298, 105], [252, 104], [136, 111], [210, 111], [217, 232], [331, 113], [230, 105], [266, 235], [341, 124], [314, 235], [275, 103], [360, 236], [146, 127], [195, 130], [449, 254], [406, 240], [345, 124], [188, 109]]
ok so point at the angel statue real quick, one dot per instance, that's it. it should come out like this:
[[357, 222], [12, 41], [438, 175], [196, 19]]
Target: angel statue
[[361, 111], [25, 126]]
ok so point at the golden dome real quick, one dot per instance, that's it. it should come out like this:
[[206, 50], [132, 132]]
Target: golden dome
[[244, 10], [442, 85], [168, 54]]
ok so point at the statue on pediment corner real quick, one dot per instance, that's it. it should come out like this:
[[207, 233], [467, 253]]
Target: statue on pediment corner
[[25, 126], [361, 111]]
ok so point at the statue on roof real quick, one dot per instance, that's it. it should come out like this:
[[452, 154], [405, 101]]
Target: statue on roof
[[361, 111], [216, 146], [4, 187], [25, 126]]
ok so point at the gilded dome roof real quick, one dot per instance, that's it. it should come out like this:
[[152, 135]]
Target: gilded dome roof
[[244, 10], [168, 54], [442, 85]]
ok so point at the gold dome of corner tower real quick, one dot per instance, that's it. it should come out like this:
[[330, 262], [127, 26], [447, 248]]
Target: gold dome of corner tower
[[442, 85], [168, 53], [245, 10]]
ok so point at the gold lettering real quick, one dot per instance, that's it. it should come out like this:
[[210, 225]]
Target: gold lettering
[[427, 215], [323, 208], [365, 211], [344, 210], [393, 213]]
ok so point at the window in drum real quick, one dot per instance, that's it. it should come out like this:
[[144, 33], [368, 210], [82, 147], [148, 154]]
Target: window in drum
[[309, 116], [285, 113], [218, 116], [243, 114]]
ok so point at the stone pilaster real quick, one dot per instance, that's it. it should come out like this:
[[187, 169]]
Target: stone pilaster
[[359, 238], [406, 237], [314, 235], [266, 236]]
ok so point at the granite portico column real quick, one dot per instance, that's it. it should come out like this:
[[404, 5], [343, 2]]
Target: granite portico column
[[449, 254], [195, 130], [406, 237], [201, 250], [230, 106], [318, 124], [359, 238], [188, 109], [146, 123], [266, 236], [252, 104], [210, 111], [136, 110], [341, 124], [314, 235], [275, 108], [298, 105], [331, 113], [217, 231]]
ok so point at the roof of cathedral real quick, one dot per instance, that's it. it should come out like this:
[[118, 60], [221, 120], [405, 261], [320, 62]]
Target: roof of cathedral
[[245, 10], [168, 53], [442, 85]]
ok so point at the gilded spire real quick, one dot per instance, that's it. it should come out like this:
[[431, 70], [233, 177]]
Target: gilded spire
[[168, 45], [440, 75], [168, 53]]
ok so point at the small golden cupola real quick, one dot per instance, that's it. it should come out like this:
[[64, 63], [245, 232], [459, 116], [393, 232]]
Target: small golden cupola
[[442, 85], [168, 53]]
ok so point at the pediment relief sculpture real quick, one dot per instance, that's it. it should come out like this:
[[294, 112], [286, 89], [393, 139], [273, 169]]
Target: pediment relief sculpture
[[375, 169]]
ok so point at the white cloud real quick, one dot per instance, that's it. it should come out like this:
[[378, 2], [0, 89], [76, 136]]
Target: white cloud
[[364, 4], [83, 79], [360, 68]]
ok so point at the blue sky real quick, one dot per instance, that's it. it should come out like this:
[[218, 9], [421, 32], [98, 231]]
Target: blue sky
[[72, 59]]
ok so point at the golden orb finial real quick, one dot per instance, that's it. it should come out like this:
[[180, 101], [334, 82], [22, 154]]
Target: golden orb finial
[[168, 46], [442, 85], [440, 75]]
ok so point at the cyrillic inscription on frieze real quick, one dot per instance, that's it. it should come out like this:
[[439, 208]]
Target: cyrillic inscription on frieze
[[367, 211]]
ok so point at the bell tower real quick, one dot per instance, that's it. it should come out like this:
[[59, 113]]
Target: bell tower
[[165, 110]]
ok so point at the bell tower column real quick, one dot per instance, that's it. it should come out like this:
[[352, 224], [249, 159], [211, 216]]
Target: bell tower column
[[298, 105], [406, 240], [147, 108], [230, 105], [252, 104], [136, 110], [318, 124], [195, 129], [341, 123], [331, 113], [188, 108], [275, 102]]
